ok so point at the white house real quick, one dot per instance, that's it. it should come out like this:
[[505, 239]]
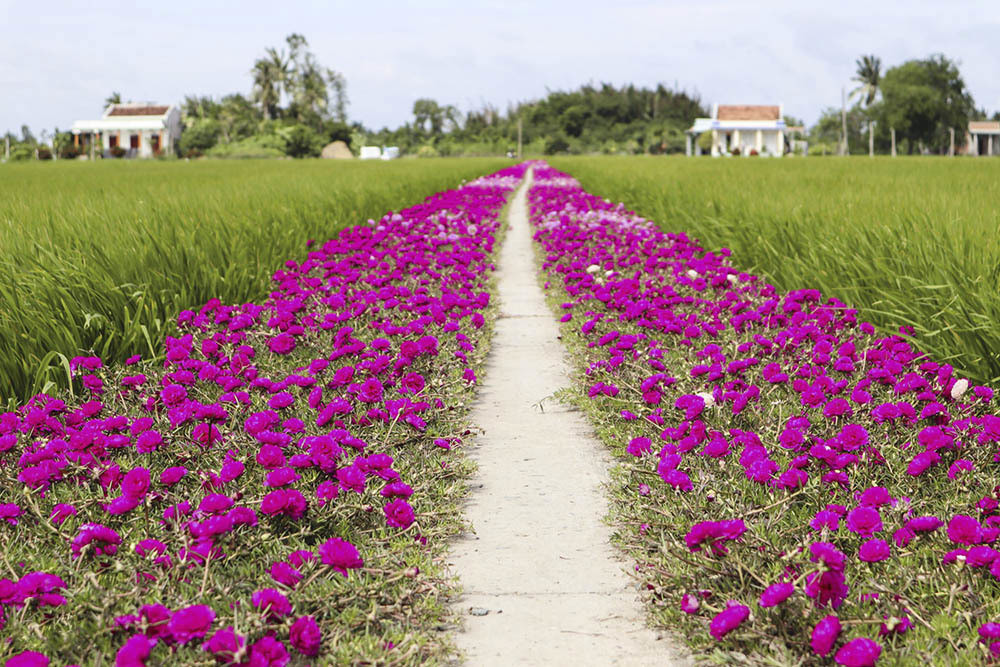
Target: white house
[[982, 138], [141, 130], [743, 129]]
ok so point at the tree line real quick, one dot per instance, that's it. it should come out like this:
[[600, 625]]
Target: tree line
[[297, 105], [923, 100]]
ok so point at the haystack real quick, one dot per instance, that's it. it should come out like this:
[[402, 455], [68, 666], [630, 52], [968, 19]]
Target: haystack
[[336, 150]]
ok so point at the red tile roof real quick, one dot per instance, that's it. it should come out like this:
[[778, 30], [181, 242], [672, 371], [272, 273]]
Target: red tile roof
[[990, 126], [138, 110], [748, 112]]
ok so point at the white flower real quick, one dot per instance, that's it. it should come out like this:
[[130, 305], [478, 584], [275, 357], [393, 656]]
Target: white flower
[[608, 274], [593, 268], [707, 397], [959, 388], [692, 274], [732, 279]]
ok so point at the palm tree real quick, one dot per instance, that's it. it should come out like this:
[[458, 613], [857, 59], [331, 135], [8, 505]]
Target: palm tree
[[270, 78], [868, 75], [113, 98]]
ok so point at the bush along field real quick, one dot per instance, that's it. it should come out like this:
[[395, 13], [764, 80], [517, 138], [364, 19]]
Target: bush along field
[[794, 488], [279, 490]]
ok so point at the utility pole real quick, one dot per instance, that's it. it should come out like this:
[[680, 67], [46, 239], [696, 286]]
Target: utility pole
[[519, 145], [892, 131], [951, 148], [871, 138], [93, 140], [843, 120], [6, 149]]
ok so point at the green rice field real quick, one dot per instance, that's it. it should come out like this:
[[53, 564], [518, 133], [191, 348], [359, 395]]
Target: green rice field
[[100, 258], [909, 241]]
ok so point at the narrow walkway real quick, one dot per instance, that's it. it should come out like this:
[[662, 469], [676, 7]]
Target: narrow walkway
[[540, 563]]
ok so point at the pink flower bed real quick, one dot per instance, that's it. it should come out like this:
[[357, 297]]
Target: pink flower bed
[[271, 488], [795, 484]]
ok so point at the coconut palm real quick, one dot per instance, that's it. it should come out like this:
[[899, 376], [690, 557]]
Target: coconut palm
[[868, 74], [270, 78]]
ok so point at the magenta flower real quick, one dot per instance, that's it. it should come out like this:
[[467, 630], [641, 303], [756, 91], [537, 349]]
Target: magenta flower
[[690, 604], [825, 635], [27, 659], [271, 603], [61, 512], [305, 636], [728, 620], [224, 644], [134, 652], [398, 514], [874, 550], [776, 593], [190, 623], [171, 476], [285, 574], [370, 391], [963, 529], [9, 513], [875, 496], [284, 502], [924, 524], [283, 343], [135, 484], [268, 652], [341, 555], [101, 540], [859, 652], [865, 521]]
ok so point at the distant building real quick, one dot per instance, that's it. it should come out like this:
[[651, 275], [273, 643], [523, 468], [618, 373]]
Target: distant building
[[741, 129], [982, 138], [141, 130], [370, 153]]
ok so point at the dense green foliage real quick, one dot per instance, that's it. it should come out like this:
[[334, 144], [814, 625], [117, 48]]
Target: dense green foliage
[[909, 242], [591, 119], [102, 257]]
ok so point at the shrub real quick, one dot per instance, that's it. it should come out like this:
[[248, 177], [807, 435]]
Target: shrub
[[301, 141], [201, 136], [259, 146]]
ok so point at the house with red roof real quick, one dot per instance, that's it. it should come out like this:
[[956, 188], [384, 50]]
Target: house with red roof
[[742, 129], [130, 130]]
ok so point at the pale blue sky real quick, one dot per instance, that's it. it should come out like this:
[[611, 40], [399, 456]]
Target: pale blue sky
[[58, 60]]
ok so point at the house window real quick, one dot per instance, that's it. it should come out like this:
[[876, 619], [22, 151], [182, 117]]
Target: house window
[[113, 141], [133, 141], [155, 143]]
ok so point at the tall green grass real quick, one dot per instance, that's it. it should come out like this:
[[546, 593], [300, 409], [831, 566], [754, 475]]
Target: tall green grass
[[101, 257], [909, 241]]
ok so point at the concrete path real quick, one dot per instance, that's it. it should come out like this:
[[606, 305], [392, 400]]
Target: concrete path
[[540, 563]]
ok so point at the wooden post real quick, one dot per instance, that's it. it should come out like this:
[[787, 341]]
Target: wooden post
[[687, 144], [519, 145], [951, 147], [892, 131], [871, 138], [843, 120]]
